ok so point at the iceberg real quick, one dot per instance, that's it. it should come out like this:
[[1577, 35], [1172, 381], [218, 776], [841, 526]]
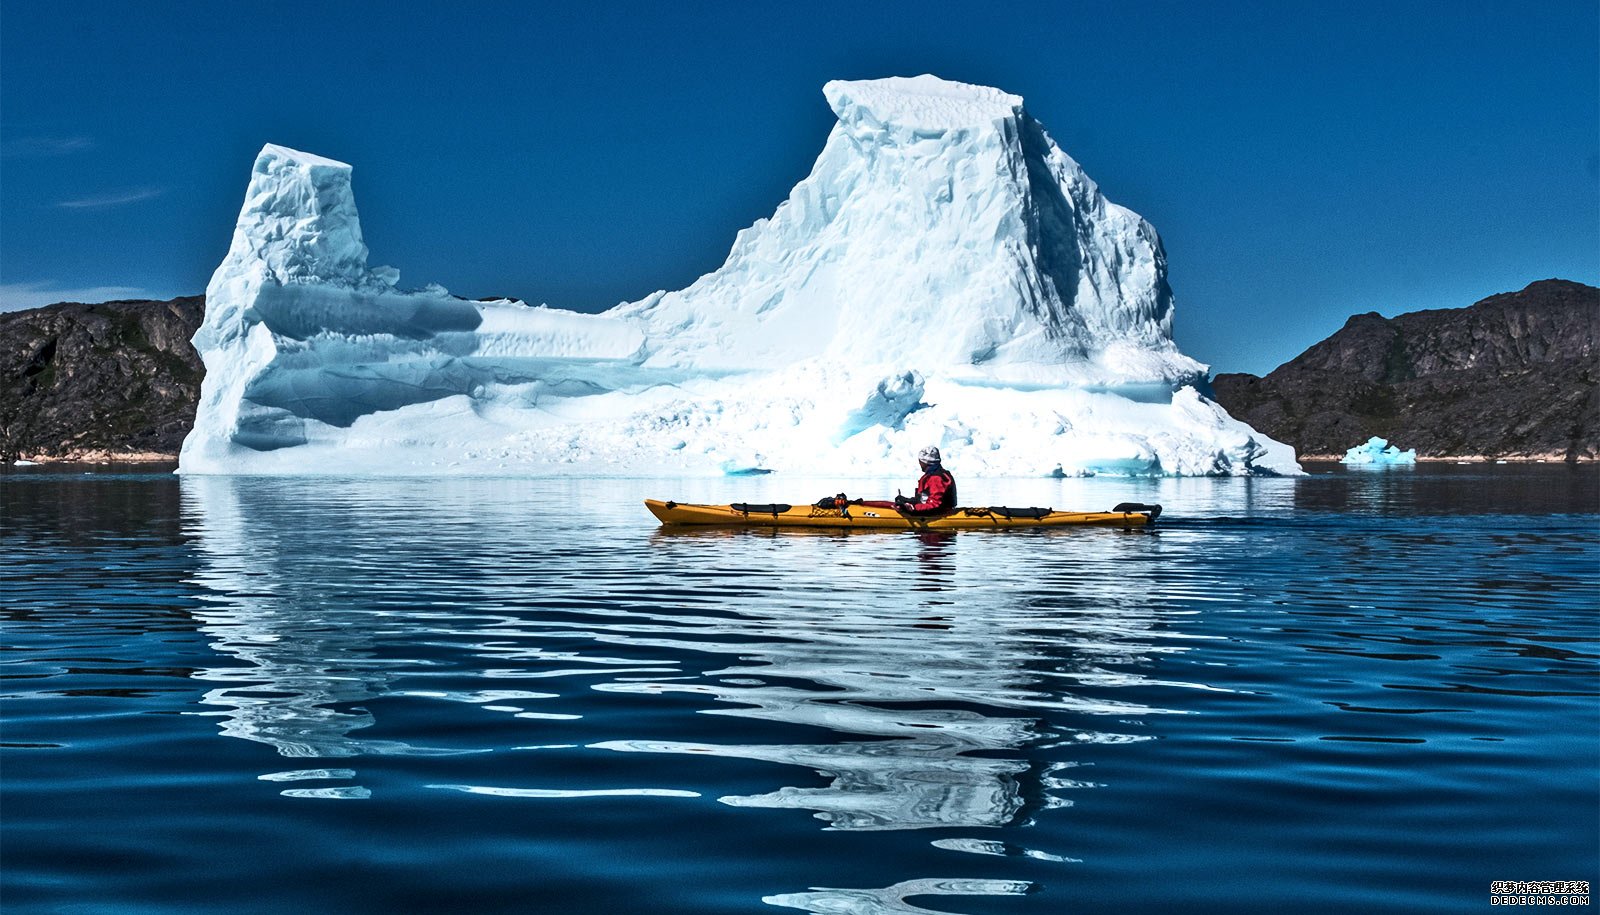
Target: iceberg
[[945, 275], [1378, 451]]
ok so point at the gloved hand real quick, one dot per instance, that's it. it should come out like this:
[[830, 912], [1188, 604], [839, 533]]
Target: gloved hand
[[902, 501]]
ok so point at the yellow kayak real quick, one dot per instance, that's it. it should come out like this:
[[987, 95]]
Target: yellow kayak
[[740, 514]]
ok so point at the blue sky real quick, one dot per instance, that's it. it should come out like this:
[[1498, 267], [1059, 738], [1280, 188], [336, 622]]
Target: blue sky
[[1302, 161]]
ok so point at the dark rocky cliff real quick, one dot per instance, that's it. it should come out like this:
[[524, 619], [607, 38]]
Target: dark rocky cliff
[[1513, 376], [115, 380]]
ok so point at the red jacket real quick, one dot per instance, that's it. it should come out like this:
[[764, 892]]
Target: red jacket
[[936, 492]]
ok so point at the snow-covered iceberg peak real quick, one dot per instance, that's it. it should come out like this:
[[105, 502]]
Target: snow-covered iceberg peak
[[301, 339], [940, 229], [299, 220], [298, 226], [920, 104]]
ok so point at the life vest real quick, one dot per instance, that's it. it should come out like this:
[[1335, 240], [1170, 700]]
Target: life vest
[[936, 492]]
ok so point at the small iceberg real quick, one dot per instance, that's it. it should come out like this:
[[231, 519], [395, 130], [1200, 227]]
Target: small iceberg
[[1379, 451]]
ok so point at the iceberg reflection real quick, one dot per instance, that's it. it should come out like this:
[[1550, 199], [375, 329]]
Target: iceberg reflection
[[303, 668], [877, 683], [923, 688], [892, 900]]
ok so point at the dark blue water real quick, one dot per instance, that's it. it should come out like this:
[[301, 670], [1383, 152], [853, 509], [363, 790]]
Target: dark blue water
[[1356, 691]]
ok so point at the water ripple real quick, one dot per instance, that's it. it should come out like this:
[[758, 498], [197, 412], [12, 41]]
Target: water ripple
[[1058, 713]]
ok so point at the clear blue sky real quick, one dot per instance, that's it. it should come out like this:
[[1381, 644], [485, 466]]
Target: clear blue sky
[[1302, 161]]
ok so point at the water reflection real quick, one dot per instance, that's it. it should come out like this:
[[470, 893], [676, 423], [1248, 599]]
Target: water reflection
[[858, 719], [303, 664], [935, 559], [892, 900], [1433, 489], [947, 698], [916, 675]]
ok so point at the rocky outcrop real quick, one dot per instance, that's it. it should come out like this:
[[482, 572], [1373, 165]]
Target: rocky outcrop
[[1513, 376], [118, 380]]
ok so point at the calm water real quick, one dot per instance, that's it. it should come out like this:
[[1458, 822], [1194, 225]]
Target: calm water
[[1357, 691]]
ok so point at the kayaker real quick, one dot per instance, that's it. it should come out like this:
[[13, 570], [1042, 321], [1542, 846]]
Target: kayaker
[[936, 491]]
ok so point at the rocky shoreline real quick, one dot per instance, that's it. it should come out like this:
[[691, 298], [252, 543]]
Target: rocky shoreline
[[1512, 377], [99, 456], [114, 381]]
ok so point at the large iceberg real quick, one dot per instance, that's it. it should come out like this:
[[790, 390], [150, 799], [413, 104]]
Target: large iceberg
[[945, 275]]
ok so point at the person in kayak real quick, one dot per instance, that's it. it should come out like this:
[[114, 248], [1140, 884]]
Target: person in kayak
[[936, 490]]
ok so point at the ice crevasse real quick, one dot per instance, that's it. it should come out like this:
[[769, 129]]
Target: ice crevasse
[[945, 275]]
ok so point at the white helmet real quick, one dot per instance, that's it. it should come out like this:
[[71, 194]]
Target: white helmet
[[928, 455]]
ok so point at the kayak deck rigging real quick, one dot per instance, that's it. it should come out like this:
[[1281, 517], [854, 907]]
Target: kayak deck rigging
[[741, 514]]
